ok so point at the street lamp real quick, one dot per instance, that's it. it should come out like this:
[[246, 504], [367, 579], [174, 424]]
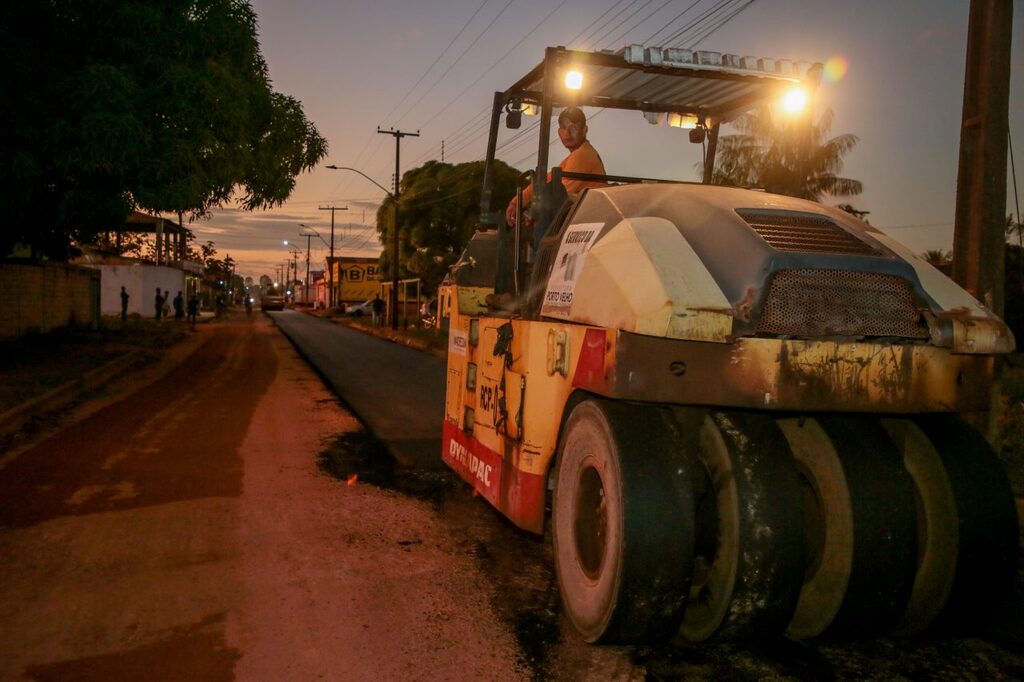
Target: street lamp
[[394, 240]]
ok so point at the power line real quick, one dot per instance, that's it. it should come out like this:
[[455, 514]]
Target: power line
[[499, 60], [436, 60], [614, 28], [459, 58], [591, 24], [707, 15], [909, 227], [482, 127], [720, 24], [587, 37], [641, 22], [671, 21]]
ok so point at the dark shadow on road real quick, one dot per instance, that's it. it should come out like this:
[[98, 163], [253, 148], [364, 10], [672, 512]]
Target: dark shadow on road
[[359, 454]]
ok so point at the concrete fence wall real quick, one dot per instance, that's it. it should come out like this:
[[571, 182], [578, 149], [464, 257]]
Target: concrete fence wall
[[140, 280], [47, 296]]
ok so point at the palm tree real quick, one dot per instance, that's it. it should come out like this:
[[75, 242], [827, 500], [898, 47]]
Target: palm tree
[[938, 258], [792, 157]]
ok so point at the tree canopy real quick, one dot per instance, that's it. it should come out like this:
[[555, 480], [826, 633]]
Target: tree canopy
[[793, 157], [112, 105], [439, 210]]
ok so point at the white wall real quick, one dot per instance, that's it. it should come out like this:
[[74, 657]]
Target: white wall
[[140, 280]]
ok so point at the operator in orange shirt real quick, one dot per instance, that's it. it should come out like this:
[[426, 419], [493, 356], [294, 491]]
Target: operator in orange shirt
[[583, 158]]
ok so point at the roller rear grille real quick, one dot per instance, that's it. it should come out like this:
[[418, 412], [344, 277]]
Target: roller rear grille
[[805, 233], [827, 302]]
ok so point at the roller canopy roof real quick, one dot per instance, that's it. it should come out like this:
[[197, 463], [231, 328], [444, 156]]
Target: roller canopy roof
[[658, 79]]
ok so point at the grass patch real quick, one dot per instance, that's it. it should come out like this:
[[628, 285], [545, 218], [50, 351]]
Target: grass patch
[[434, 338]]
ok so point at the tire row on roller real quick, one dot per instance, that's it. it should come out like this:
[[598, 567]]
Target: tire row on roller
[[860, 566], [622, 518], [748, 549], [734, 524], [986, 553]]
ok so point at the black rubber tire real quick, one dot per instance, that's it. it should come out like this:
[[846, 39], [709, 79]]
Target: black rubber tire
[[748, 566], [876, 554], [986, 564], [622, 523], [937, 526]]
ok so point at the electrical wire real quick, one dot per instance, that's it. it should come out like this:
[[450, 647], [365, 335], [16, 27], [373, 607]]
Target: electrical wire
[[571, 41], [639, 23], [482, 127], [704, 36], [499, 60], [459, 58], [436, 60], [671, 21], [604, 36], [695, 23], [1013, 175], [584, 38], [703, 26]]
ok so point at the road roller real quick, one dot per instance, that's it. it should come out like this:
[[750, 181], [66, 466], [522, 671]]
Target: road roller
[[738, 414]]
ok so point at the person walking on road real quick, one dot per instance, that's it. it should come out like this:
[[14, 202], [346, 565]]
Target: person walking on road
[[179, 307], [378, 307], [124, 304], [193, 309], [159, 302]]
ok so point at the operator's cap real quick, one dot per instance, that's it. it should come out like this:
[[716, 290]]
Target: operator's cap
[[573, 115]]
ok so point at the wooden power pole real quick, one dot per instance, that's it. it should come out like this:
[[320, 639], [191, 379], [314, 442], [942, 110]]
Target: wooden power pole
[[393, 304], [978, 239], [330, 261]]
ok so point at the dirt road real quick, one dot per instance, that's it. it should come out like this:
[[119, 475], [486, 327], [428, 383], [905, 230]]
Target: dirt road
[[184, 531]]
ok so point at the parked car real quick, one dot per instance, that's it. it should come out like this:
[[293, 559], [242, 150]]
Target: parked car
[[360, 309]]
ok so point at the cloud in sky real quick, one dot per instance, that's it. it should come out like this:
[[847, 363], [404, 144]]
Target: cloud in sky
[[255, 239]]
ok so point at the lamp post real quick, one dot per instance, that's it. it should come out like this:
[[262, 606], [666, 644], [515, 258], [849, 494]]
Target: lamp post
[[394, 241]]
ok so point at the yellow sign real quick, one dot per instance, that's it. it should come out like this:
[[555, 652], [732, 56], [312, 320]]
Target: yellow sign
[[359, 279]]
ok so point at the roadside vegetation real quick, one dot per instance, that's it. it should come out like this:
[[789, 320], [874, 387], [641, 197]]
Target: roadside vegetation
[[1011, 446]]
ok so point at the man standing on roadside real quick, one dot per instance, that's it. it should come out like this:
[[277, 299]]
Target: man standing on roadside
[[179, 307], [124, 304], [378, 307], [193, 309], [159, 304]]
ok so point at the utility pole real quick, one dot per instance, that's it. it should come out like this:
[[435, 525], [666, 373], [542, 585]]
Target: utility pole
[[306, 297], [979, 244], [330, 260], [294, 265], [978, 239], [398, 135]]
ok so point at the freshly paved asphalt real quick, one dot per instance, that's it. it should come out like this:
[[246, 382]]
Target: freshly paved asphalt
[[398, 392]]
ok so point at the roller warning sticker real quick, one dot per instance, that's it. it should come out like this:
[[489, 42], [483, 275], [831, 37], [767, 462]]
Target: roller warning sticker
[[572, 254]]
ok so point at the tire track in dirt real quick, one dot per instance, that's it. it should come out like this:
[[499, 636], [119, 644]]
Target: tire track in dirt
[[75, 472]]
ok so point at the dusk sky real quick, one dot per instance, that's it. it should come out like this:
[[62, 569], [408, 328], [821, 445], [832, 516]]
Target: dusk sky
[[433, 66]]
